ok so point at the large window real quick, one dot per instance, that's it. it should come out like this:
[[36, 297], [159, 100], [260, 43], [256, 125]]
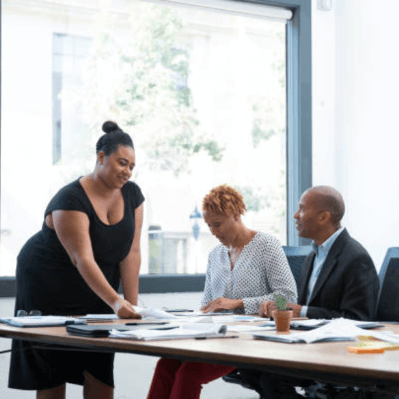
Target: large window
[[69, 56], [203, 94]]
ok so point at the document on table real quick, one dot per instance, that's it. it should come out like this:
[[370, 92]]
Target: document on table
[[310, 324], [189, 330], [243, 328], [367, 324], [237, 317], [199, 313], [99, 317], [40, 321], [150, 313], [216, 317], [195, 316], [146, 313], [336, 330]]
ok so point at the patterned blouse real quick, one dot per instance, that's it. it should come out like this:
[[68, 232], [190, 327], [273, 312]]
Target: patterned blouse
[[260, 271]]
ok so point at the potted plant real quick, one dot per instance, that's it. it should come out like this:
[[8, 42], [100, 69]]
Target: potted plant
[[282, 315]]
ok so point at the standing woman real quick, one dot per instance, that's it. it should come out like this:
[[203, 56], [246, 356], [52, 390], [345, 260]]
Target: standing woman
[[89, 241], [245, 269]]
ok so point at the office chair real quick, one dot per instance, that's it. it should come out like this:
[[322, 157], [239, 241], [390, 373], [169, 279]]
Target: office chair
[[295, 256], [388, 296], [387, 310]]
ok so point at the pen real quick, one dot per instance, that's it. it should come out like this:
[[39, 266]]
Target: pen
[[164, 328], [178, 310], [91, 321], [223, 336], [146, 324]]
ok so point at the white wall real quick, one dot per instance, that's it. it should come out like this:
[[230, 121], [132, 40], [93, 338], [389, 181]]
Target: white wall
[[355, 133]]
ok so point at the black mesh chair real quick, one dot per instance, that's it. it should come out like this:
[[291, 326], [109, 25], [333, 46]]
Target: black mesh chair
[[295, 257], [388, 297]]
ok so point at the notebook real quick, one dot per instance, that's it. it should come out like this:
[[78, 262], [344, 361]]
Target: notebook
[[104, 329], [40, 321], [336, 330]]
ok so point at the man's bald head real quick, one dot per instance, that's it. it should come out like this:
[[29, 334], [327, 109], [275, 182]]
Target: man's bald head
[[328, 199]]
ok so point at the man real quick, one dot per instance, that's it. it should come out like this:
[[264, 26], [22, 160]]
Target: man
[[338, 279]]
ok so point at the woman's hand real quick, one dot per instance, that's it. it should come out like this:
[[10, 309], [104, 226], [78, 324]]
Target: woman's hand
[[124, 310], [221, 303], [266, 308]]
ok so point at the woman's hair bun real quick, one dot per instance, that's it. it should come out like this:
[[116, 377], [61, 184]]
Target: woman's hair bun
[[109, 127], [109, 143]]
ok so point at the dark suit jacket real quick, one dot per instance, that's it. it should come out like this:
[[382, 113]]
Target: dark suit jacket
[[347, 285]]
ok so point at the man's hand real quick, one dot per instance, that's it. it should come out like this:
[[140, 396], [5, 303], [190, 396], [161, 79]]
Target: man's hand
[[266, 309], [296, 309], [221, 303]]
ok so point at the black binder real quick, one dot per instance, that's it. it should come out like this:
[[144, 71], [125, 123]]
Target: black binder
[[102, 330]]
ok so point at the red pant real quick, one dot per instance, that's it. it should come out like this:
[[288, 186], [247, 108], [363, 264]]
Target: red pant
[[174, 379]]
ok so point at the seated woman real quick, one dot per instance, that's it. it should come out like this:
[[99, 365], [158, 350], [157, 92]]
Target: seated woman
[[247, 268]]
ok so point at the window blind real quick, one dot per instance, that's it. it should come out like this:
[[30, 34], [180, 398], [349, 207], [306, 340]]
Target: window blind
[[242, 8]]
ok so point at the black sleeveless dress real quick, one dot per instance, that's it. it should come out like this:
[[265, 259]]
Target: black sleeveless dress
[[48, 281]]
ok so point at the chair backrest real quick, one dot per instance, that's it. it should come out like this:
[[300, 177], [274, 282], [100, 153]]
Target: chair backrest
[[296, 257], [388, 296]]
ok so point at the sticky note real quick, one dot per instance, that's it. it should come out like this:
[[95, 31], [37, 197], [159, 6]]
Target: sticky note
[[365, 349]]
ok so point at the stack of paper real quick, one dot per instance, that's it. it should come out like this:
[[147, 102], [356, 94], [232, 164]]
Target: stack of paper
[[310, 324], [189, 330], [99, 317], [243, 328], [146, 313]]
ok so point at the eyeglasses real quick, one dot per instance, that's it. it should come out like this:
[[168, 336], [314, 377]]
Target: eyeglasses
[[23, 313]]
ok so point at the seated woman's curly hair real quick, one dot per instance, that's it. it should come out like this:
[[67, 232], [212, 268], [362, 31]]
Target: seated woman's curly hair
[[224, 200]]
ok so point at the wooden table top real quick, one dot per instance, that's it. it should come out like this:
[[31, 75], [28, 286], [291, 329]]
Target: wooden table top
[[330, 360]]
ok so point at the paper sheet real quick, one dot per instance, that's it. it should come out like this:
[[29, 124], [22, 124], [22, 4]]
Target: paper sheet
[[242, 328], [195, 330], [150, 313]]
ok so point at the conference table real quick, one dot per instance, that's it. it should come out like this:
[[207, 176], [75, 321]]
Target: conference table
[[328, 362]]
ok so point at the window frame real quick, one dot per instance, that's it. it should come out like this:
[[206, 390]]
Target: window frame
[[299, 142]]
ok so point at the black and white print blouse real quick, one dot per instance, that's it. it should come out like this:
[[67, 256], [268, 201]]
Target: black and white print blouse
[[261, 271]]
